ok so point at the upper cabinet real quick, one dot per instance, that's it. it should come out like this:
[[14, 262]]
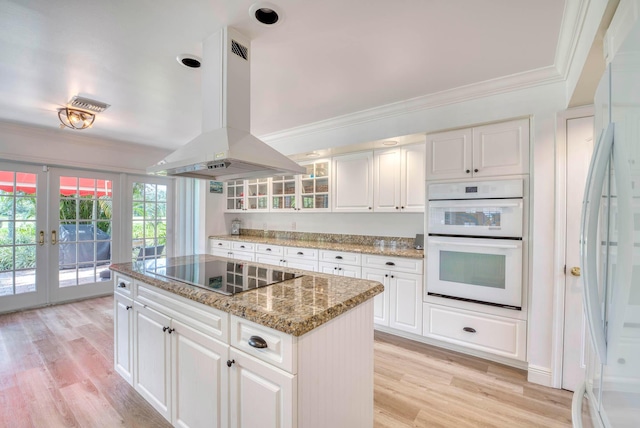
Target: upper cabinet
[[353, 182], [284, 193], [247, 195], [235, 192], [482, 151], [315, 186], [399, 179]]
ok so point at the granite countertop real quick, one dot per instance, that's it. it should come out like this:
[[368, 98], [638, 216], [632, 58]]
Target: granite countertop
[[333, 246], [295, 306]]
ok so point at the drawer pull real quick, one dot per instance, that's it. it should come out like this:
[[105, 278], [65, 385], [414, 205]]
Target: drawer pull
[[230, 362], [220, 243], [241, 246], [257, 342], [300, 253], [268, 249], [339, 257], [390, 264], [469, 329], [122, 285]]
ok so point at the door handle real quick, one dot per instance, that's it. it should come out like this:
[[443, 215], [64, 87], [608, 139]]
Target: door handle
[[54, 238], [41, 238], [575, 271]]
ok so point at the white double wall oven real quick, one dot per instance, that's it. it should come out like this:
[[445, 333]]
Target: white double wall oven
[[475, 243]]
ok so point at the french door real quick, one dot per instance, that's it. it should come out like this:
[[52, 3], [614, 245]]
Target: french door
[[57, 231]]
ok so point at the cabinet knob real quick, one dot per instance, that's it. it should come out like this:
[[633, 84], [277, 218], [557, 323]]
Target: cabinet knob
[[468, 171], [220, 243], [386, 275], [401, 207], [335, 268], [475, 170], [339, 268], [230, 363], [392, 276], [165, 328], [168, 329], [122, 285], [397, 208], [257, 342], [129, 307], [369, 207], [469, 329]]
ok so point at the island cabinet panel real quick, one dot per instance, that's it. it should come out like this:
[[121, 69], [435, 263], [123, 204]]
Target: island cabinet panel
[[123, 336], [199, 378]]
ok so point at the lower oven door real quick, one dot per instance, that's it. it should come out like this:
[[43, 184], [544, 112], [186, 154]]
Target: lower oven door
[[476, 269]]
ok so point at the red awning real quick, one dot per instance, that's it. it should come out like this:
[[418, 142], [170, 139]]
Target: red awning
[[26, 182]]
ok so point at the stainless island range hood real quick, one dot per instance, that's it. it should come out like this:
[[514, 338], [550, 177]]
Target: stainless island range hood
[[226, 150]]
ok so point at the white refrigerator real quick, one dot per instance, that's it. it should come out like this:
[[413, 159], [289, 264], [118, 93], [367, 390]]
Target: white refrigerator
[[610, 248]]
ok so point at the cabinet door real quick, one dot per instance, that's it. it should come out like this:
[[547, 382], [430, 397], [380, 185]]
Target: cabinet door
[[315, 187], [329, 268], [235, 195], [123, 332], [240, 255], [405, 303], [284, 193], [412, 179], [269, 260], [381, 301], [152, 357], [257, 194], [260, 395], [350, 271], [501, 149], [386, 180], [449, 155], [311, 265], [353, 182], [200, 377]]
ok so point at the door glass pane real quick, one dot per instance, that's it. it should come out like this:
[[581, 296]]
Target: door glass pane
[[84, 230], [17, 233], [486, 270], [149, 227]]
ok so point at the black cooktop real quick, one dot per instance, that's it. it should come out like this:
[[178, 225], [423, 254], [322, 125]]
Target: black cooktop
[[223, 276]]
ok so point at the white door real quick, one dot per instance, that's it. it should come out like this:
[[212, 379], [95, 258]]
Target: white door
[[82, 233], [405, 306], [579, 150], [260, 395], [199, 379], [23, 236], [412, 180], [386, 180], [381, 301], [501, 148], [449, 155], [353, 182], [123, 332]]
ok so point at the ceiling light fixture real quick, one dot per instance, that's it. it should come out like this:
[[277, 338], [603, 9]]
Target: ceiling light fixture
[[266, 14], [80, 118], [313, 155], [389, 143], [189, 61]]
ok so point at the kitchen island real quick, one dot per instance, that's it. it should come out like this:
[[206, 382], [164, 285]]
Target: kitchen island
[[297, 353]]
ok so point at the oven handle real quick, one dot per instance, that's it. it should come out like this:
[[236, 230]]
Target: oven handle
[[474, 204], [462, 244]]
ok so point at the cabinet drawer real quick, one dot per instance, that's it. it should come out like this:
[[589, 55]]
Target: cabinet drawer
[[301, 253], [340, 257], [488, 333], [204, 318], [279, 346], [243, 246], [123, 285], [218, 244], [399, 264], [275, 250]]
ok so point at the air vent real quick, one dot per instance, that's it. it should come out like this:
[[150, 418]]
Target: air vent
[[239, 50], [88, 104], [216, 165]]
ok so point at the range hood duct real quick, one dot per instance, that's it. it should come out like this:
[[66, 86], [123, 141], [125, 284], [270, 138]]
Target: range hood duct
[[226, 150]]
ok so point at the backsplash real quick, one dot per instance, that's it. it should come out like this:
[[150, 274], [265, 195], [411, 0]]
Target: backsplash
[[329, 237]]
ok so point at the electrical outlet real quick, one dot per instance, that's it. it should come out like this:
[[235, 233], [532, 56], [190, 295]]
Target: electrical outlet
[[293, 225]]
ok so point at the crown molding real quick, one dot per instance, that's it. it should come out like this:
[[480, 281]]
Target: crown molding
[[514, 82], [573, 21]]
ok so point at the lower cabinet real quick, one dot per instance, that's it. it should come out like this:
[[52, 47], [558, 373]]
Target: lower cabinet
[[123, 334], [340, 269], [400, 306], [260, 394]]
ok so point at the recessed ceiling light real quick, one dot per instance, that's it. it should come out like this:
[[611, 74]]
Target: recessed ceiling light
[[389, 143], [266, 14], [189, 61], [313, 155]]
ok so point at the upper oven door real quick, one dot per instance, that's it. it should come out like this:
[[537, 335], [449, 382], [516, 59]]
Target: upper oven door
[[478, 217]]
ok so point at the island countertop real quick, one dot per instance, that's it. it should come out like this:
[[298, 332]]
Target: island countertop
[[295, 306]]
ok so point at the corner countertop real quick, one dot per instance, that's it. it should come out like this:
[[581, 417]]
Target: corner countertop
[[295, 307], [324, 245]]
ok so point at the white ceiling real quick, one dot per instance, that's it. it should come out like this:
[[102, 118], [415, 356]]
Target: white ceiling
[[325, 59]]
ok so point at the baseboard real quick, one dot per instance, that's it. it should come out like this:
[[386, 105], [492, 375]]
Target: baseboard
[[540, 375]]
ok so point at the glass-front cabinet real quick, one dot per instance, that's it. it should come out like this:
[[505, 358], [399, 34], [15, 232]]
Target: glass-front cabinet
[[283, 193], [314, 186], [257, 194], [235, 196]]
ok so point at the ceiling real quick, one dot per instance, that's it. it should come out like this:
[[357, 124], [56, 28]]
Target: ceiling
[[324, 59]]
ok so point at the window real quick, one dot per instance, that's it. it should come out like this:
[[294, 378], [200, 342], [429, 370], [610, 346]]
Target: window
[[149, 226]]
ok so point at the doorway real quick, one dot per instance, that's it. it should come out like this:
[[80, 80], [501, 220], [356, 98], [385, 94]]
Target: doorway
[[57, 231], [579, 148]]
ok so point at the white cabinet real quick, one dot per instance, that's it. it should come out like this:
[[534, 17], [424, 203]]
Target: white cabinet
[[260, 395], [340, 263], [315, 187], [123, 336], [247, 195], [238, 250], [400, 306], [489, 333], [399, 176], [284, 193], [353, 182], [482, 151], [300, 258]]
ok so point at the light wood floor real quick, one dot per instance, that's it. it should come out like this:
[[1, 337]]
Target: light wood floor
[[56, 370]]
